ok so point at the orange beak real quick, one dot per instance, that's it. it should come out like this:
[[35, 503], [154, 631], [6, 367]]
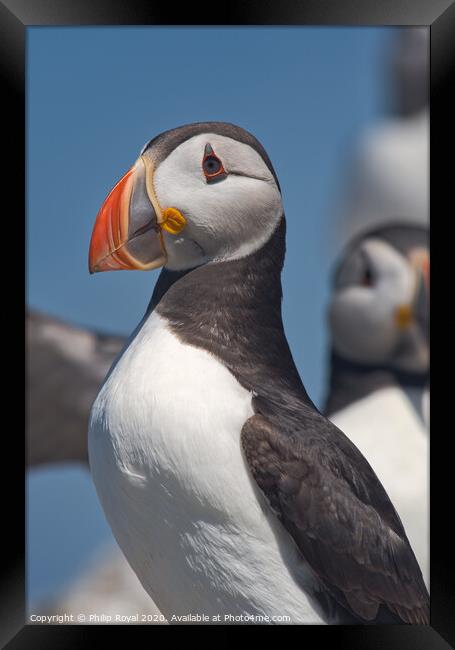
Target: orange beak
[[423, 301], [421, 262], [418, 308], [126, 235], [426, 274]]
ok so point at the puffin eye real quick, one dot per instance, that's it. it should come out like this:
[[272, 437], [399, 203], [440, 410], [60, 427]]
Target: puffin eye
[[367, 278], [212, 166]]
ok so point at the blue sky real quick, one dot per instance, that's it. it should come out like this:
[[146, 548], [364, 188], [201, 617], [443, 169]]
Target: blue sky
[[95, 96]]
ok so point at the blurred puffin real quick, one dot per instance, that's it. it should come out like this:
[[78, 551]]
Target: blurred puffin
[[379, 370], [229, 493]]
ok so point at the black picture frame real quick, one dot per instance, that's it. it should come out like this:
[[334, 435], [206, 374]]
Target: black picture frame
[[15, 17]]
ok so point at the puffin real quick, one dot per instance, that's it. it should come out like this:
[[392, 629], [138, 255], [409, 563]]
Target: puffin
[[388, 172], [379, 364], [66, 365], [232, 497]]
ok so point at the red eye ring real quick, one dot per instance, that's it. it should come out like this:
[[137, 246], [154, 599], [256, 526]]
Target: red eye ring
[[212, 165]]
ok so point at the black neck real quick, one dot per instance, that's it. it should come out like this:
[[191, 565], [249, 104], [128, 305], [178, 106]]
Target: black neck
[[350, 381], [232, 309]]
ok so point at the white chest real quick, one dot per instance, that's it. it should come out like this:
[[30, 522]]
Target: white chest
[[165, 454]]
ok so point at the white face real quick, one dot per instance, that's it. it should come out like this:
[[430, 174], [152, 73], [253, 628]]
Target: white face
[[227, 218], [371, 314]]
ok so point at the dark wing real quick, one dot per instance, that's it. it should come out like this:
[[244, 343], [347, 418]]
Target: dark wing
[[65, 368], [333, 505]]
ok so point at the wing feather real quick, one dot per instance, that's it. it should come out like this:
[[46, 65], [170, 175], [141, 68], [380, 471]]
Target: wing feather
[[340, 517]]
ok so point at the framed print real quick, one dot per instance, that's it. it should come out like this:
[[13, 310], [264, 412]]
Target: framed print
[[342, 99]]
